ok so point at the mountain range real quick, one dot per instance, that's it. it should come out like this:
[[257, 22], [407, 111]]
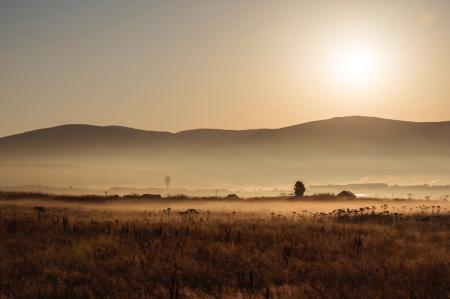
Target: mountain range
[[334, 150]]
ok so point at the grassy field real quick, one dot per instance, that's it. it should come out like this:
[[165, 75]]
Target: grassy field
[[217, 249]]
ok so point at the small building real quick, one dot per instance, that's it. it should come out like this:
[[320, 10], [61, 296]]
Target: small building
[[232, 197], [347, 194]]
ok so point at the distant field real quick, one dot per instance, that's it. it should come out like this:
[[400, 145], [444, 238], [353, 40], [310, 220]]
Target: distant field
[[217, 249]]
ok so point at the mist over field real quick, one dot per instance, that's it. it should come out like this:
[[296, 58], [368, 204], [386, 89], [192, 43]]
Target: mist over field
[[259, 208], [334, 151], [225, 149]]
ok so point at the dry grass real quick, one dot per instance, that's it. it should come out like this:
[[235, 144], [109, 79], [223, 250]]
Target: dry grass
[[90, 251]]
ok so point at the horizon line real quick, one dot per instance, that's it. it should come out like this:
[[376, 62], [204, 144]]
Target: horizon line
[[221, 129]]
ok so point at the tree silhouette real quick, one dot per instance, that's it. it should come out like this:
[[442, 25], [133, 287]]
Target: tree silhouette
[[167, 181], [299, 189]]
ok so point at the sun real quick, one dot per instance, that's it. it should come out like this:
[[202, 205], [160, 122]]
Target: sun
[[355, 65]]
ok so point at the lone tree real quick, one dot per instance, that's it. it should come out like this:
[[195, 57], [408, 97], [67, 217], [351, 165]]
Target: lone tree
[[299, 189], [167, 181]]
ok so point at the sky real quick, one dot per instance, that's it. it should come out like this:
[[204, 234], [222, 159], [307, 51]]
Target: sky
[[177, 65]]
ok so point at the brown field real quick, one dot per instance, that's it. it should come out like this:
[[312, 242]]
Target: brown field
[[238, 249]]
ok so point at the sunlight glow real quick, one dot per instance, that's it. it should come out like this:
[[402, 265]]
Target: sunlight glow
[[355, 65]]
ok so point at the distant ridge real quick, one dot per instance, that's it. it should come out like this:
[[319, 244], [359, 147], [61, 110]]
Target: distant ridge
[[342, 147], [342, 133], [353, 118]]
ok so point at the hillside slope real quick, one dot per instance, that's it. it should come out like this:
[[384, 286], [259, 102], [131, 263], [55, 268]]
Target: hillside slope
[[345, 148]]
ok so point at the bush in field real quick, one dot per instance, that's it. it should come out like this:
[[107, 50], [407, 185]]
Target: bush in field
[[299, 189]]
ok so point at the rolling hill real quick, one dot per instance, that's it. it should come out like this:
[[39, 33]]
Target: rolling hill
[[333, 150]]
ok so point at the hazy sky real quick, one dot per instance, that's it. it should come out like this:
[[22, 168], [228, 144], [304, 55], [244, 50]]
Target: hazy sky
[[174, 65]]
